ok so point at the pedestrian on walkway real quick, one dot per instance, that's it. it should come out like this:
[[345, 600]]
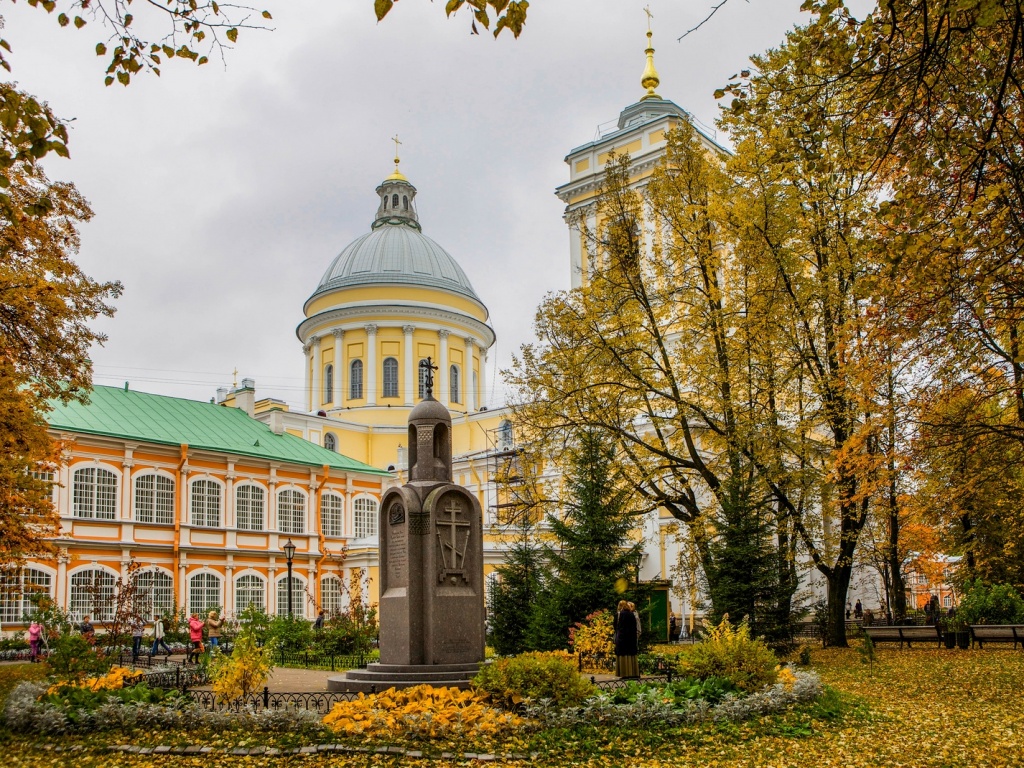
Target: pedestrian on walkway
[[626, 635], [158, 635], [138, 625], [213, 625], [35, 638], [195, 636]]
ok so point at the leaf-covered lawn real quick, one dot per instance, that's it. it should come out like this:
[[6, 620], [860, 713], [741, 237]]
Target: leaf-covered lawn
[[919, 708]]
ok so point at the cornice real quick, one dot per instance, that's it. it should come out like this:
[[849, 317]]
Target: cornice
[[352, 319]]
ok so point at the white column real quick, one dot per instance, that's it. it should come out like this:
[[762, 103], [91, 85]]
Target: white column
[[318, 376], [60, 589], [182, 585], [468, 375], [308, 393], [126, 485], [483, 378], [229, 496], [371, 364], [442, 369], [339, 365], [229, 591], [411, 379], [272, 590], [272, 501]]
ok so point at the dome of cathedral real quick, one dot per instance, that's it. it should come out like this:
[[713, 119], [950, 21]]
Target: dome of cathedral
[[396, 253]]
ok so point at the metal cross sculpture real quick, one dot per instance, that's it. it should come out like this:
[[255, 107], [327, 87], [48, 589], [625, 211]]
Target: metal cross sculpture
[[427, 368], [453, 558]]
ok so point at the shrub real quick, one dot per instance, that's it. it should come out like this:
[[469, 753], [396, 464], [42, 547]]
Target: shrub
[[243, 672], [731, 652], [72, 657], [678, 692], [594, 636], [344, 634], [291, 634], [533, 676], [990, 604], [420, 712]]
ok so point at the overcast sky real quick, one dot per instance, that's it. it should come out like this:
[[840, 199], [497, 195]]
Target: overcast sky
[[222, 193]]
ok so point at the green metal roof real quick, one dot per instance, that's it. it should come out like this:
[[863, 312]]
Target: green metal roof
[[115, 412]]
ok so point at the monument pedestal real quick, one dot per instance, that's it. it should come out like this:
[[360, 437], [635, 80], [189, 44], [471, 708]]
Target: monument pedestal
[[380, 677]]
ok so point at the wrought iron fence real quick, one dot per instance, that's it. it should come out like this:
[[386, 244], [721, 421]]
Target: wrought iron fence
[[317, 701], [316, 660], [612, 685], [182, 677], [604, 663]]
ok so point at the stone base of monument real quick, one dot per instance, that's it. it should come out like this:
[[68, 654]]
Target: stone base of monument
[[380, 677]]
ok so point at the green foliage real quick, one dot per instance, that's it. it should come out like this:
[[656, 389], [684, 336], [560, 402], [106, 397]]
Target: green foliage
[[731, 653], [511, 681], [291, 634], [805, 656], [866, 649], [74, 700], [254, 619], [72, 657], [678, 692], [348, 633], [990, 604], [514, 595]]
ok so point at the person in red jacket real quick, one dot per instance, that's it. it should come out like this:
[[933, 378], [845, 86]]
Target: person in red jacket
[[195, 635]]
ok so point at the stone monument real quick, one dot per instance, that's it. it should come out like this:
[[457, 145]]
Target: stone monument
[[431, 567]]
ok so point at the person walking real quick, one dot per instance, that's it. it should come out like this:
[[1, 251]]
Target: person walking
[[195, 636], [138, 625], [35, 638], [319, 623], [213, 625], [858, 611], [626, 635], [87, 629], [158, 636]]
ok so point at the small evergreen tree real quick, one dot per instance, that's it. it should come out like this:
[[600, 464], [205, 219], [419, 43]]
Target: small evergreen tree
[[594, 550], [513, 597]]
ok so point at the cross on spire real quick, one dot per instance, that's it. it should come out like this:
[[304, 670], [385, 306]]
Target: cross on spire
[[428, 368], [397, 143], [647, 10]]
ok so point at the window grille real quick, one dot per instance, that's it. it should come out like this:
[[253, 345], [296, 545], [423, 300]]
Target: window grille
[[332, 507], [250, 507], [291, 512], [94, 493]]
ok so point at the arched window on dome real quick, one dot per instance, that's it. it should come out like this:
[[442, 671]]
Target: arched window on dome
[[405, 202], [453, 380], [355, 380], [390, 377], [423, 378], [394, 201], [328, 389], [385, 202]]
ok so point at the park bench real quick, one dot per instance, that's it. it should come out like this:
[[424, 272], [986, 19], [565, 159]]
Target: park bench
[[997, 633], [907, 634]]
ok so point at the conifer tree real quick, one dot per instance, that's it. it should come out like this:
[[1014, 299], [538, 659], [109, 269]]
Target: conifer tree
[[513, 597]]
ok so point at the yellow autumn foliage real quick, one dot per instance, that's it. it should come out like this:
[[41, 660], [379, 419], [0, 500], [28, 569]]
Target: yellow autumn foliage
[[421, 712], [116, 679], [593, 637], [244, 671]]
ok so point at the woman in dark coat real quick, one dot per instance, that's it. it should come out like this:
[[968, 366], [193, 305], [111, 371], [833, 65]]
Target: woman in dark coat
[[626, 642]]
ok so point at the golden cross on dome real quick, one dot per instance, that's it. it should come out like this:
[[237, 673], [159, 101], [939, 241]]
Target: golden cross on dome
[[235, 384], [647, 10], [397, 142]]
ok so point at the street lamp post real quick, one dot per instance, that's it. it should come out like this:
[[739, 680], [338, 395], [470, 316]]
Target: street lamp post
[[289, 553]]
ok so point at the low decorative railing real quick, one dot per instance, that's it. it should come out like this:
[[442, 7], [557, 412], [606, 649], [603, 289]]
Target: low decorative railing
[[320, 701], [315, 660]]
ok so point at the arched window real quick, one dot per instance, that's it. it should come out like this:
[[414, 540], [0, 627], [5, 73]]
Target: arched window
[[394, 201], [298, 596], [16, 591], [291, 512], [92, 594], [476, 387], [328, 391], [390, 377], [355, 381], [250, 507], [154, 593], [154, 499], [205, 503], [330, 594], [405, 202], [505, 435], [250, 590], [330, 442], [204, 594], [332, 507], [453, 380], [365, 517], [95, 493], [385, 202], [423, 378]]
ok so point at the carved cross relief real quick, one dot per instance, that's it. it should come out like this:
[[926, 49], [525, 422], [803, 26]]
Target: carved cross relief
[[453, 529]]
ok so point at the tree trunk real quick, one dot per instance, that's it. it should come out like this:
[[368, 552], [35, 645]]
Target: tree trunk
[[838, 587]]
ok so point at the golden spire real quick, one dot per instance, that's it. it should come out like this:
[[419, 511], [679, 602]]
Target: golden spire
[[649, 79], [397, 175]]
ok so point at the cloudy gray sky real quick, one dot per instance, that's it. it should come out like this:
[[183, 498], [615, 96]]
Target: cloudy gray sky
[[222, 193]]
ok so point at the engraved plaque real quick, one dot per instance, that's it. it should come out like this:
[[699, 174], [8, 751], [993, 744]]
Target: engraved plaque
[[398, 557], [396, 515]]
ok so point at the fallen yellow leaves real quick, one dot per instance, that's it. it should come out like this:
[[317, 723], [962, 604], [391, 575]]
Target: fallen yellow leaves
[[116, 679], [421, 712]]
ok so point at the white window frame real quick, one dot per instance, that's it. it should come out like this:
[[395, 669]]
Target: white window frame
[[389, 379], [330, 442], [453, 384], [331, 593], [203, 517], [364, 520], [332, 514], [355, 380], [15, 599], [245, 514], [421, 376], [158, 587], [298, 596], [91, 592], [150, 505], [247, 586], [87, 495], [207, 591], [328, 388], [290, 517]]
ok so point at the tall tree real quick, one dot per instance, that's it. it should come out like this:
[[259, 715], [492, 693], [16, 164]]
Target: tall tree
[[514, 595]]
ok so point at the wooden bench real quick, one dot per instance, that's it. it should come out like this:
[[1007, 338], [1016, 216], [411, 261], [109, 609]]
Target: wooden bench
[[904, 634], [997, 633]]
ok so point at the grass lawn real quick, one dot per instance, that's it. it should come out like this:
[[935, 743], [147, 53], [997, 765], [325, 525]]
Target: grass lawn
[[916, 708]]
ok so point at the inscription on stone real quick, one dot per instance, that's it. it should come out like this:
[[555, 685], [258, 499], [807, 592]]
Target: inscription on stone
[[398, 559]]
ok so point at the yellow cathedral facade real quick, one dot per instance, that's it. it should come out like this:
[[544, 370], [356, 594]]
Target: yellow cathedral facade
[[206, 498]]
